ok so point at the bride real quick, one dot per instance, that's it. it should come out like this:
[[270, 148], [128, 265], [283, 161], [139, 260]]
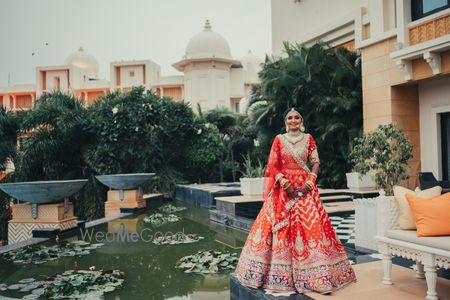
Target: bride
[[292, 246]]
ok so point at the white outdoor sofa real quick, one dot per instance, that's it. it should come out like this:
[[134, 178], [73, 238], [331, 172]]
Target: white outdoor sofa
[[429, 253]]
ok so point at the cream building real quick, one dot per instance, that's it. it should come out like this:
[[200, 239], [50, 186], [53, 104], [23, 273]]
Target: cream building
[[211, 77], [405, 55]]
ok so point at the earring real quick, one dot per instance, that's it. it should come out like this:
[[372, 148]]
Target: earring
[[287, 129], [302, 128]]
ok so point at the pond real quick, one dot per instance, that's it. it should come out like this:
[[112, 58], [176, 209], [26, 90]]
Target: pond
[[149, 269]]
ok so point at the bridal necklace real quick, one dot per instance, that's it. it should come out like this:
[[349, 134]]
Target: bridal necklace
[[295, 139]]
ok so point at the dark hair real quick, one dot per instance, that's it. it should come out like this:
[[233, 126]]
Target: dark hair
[[290, 109]]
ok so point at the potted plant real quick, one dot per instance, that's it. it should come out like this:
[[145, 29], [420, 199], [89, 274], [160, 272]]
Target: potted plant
[[357, 181], [252, 178], [385, 152]]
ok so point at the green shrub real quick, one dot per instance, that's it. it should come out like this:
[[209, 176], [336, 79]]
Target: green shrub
[[385, 151]]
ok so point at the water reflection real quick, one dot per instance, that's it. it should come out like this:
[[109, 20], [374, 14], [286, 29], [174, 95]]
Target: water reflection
[[150, 271], [126, 224]]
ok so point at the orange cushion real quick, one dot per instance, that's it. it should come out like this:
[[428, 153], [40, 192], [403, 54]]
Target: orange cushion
[[431, 215], [405, 216]]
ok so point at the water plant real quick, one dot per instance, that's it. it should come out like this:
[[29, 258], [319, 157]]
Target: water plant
[[169, 209], [158, 219], [69, 285], [178, 238], [41, 254], [207, 262]]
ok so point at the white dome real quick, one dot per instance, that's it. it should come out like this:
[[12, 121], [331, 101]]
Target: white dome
[[84, 61], [207, 44], [252, 65]]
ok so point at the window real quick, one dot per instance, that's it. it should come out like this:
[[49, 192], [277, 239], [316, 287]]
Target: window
[[423, 8], [131, 73], [445, 144], [237, 107]]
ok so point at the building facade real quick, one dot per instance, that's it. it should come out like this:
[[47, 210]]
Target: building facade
[[405, 57], [211, 77]]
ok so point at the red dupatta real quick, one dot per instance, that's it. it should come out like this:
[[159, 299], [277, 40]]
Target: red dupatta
[[279, 202]]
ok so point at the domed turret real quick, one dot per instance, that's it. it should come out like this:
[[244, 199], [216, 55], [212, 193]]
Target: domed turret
[[207, 44], [252, 65], [84, 61]]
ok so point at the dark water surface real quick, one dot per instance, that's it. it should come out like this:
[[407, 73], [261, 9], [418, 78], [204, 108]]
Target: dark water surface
[[149, 269]]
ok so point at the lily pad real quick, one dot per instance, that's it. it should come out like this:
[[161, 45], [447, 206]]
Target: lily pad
[[207, 262], [158, 219], [31, 297], [169, 208], [27, 280], [16, 286], [42, 254], [83, 284], [178, 238]]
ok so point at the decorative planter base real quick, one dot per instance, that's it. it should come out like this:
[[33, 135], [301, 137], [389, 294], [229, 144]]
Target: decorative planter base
[[366, 224], [49, 216], [365, 182], [130, 199], [252, 187]]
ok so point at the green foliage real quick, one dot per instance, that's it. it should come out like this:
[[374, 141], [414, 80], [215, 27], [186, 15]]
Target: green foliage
[[5, 216], [203, 154], [41, 254], [9, 130], [251, 171], [177, 239], [82, 284], [140, 132], [60, 133], [158, 219], [236, 136], [325, 84], [71, 284], [207, 262], [385, 151], [169, 209]]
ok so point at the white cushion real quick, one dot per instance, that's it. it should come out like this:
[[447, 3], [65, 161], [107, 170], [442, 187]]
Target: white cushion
[[438, 242]]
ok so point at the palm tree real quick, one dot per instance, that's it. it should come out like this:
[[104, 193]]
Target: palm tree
[[236, 137], [325, 84], [58, 133]]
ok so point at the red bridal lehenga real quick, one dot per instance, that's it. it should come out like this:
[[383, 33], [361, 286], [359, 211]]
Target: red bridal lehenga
[[292, 245]]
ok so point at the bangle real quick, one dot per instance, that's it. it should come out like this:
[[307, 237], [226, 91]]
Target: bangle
[[286, 186], [279, 176], [309, 184], [313, 174], [284, 182]]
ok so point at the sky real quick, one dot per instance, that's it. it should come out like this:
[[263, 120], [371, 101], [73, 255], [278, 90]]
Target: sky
[[44, 32]]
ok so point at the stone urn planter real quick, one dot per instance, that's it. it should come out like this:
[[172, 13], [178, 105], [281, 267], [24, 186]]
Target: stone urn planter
[[125, 191], [44, 206], [365, 182], [252, 187]]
